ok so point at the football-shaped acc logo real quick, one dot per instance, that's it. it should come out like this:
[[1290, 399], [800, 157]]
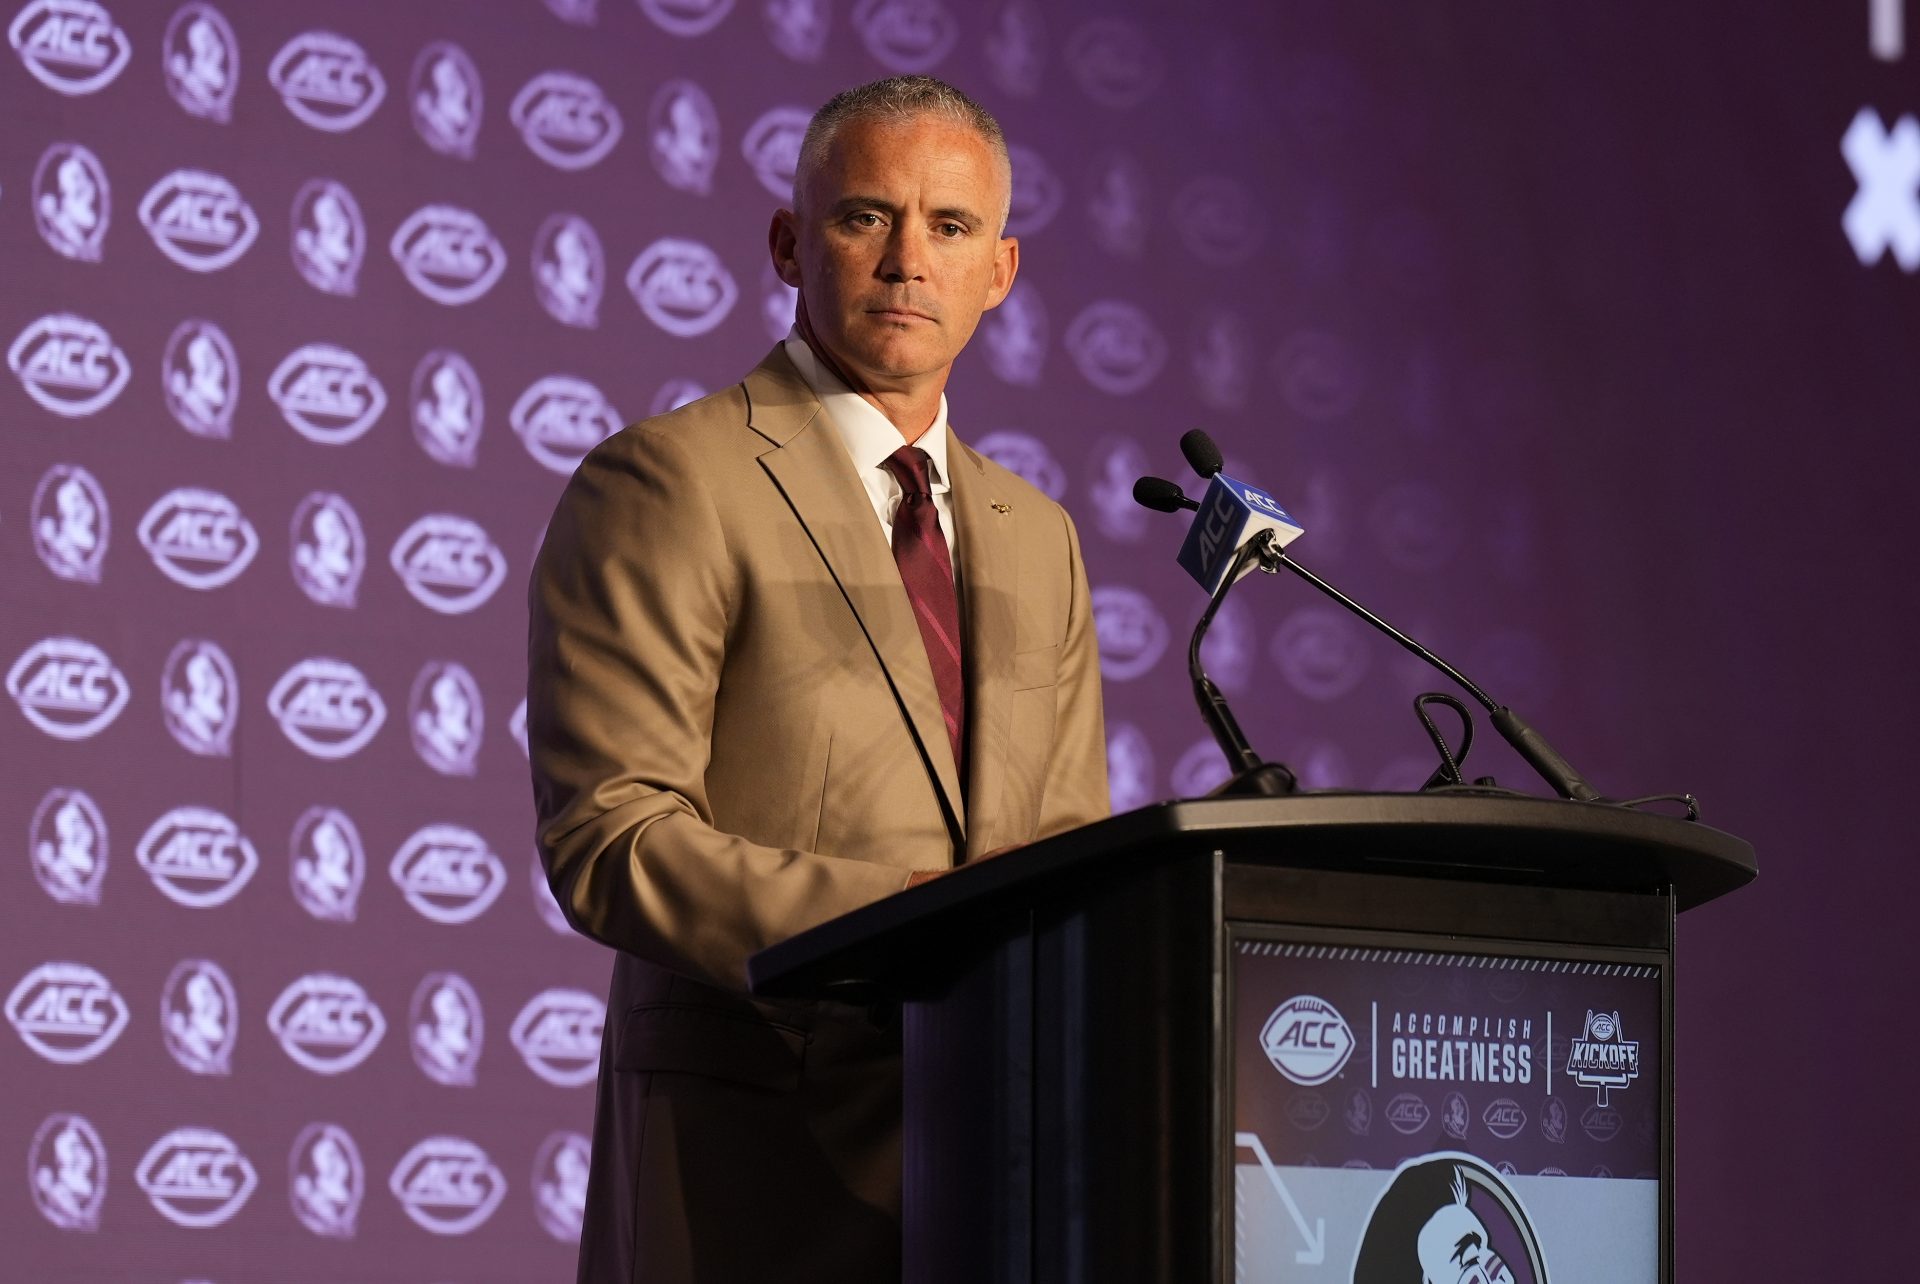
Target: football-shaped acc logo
[[560, 418], [198, 219], [326, 81], [67, 1012], [198, 538], [565, 120], [1307, 1040], [197, 857], [558, 1035], [70, 46], [447, 1185], [327, 394], [67, 687], [448, 254], [448, 564], [682, 286], [1116, 347], [326, 707], [448, 873], [326, 1023], [69, 364], [196, 1177]]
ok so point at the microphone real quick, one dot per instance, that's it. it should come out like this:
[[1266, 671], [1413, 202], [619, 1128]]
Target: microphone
[[1161, 495], [1201, 453]]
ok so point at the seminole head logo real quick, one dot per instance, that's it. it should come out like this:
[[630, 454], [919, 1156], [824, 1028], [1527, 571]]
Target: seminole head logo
[[1447, 1218]]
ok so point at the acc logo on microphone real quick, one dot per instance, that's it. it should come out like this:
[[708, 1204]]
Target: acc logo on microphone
[[682, 286], [448, 1029], [1116, 347], [565, 120], [329, 864], [68, 839], [71, 201], [326, 1023], [198, 219], [1114, 62], [686, 17], [327, 394], [326, 81], [326, 707], [329, 236], [68, 364], [448, 254], [772, 148], [329, 549], [66, 1012], [906, 35], [446, 99], [685, 130], [447, 1185], [201, 378], [569, 271], [70, 523], [328, 1180], [448, 563], [1307, 1040], [197, 857], [200, 698], [198, 538], [68, 1163], [1131, 630], [560, 418], [560, 1170], [1027, 456], [447, 408], [196, 1177], [1016, 338], [448, 873], [199, 1017], [71, 46], [67, 687], [201, 58], [558, 1035], [445, 714], [1038, 192]]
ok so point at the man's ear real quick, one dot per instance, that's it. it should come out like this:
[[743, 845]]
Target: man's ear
[[1006, 266], [783, 244]]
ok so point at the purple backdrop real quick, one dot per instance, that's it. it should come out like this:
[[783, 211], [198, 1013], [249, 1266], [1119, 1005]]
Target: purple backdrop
[[1574, 338]]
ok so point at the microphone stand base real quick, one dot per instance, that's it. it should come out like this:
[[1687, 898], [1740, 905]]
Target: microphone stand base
[[1268, 780]]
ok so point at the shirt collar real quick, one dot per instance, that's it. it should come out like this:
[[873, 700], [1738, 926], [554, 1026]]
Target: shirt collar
[[868, 436]]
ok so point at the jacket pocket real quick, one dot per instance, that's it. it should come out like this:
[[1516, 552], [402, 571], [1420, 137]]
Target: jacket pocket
[[682, 1038], [1039, 667]]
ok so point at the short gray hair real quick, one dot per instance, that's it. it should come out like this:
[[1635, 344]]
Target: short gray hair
[[898, 99]]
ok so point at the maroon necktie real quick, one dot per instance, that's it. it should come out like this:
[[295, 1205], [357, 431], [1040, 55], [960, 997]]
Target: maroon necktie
[[920, 550]]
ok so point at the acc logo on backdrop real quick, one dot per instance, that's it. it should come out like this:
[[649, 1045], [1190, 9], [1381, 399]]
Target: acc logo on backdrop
[[682, 286], [517, 724], [448, 563], [772, 148], [1027, 456], [1114, 62], [1307, 1040], [565, 120], [198, 538], [1199, 768], [196, 1177], [68, 840], [686, 17], [447, 408], [67, 687], [445, 713], [448, 873], [683, 136], [445, 92], [202, 61], [329, 549], [1116, 346], [1320, 652], [199, 1017], [197, 857], [447, 1185], [448, 254], [779, 303], [560, 1170], [1118, 192], [198, 219], [72, 202], [448, 1029], [560, 418], [1038, 192], [1218, 220], [1318, 374], [569, 271], [70, 523], [673, 394], [1131, 630], [70, 46], [798, 28], [326, 707], [1129, 767], [200, 698], [1016, 336], [326, 1023], [329, 864], [549, 909], [200, 376], [327, 1180], [68, 1164], [581, 13], [329, 236], [66, 1012], [326, 394], [326, 81], [558, 1035], [68, 364], [1415, 527], [906, 35]]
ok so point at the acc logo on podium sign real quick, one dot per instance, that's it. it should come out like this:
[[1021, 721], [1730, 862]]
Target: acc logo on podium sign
[[1307, 1040]]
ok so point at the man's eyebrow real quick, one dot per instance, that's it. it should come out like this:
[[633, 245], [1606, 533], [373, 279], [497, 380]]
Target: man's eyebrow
[[959, 214], [847, 204], [1468, 1240]]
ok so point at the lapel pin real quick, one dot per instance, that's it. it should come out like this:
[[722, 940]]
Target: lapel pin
[[999, 507]]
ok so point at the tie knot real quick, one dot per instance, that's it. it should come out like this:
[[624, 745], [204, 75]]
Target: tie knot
[[909, 466]]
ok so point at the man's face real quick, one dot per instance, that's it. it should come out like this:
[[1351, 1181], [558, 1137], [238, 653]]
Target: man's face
[[1453, 1248], [896, 247]]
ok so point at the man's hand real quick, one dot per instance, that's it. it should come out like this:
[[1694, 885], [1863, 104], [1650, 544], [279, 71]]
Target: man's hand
[[919, 876]]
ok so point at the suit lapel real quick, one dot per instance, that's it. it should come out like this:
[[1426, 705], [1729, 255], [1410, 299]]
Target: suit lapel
[[988, 573], [812, 470]]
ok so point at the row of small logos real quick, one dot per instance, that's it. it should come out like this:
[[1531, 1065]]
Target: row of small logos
[[1503, 1118], [199, 1178], [329, 82], [69, 1013]]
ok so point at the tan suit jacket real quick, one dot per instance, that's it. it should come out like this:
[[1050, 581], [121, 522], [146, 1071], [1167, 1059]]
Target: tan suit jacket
[[735, 736]]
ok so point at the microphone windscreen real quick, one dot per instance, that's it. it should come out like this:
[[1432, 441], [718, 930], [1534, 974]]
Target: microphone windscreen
[[1201, 452], [1160, 494]]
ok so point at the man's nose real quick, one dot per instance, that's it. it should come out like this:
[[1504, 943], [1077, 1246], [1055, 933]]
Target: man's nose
[[906, 256]]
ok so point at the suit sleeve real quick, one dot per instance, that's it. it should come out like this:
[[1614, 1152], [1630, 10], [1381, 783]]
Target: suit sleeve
[[629, 612], [1076, 786]]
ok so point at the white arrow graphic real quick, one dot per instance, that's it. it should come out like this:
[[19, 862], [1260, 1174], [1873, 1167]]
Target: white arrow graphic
[[1316, 1250]]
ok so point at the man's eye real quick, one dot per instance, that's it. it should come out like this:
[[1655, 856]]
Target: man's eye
[[951, 230], [864, 218]]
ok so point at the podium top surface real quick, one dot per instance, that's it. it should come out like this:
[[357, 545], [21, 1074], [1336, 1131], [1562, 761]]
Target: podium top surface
[[1542, 841]]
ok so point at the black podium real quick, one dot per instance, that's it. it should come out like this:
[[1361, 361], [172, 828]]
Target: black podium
[[1227, 1039]]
